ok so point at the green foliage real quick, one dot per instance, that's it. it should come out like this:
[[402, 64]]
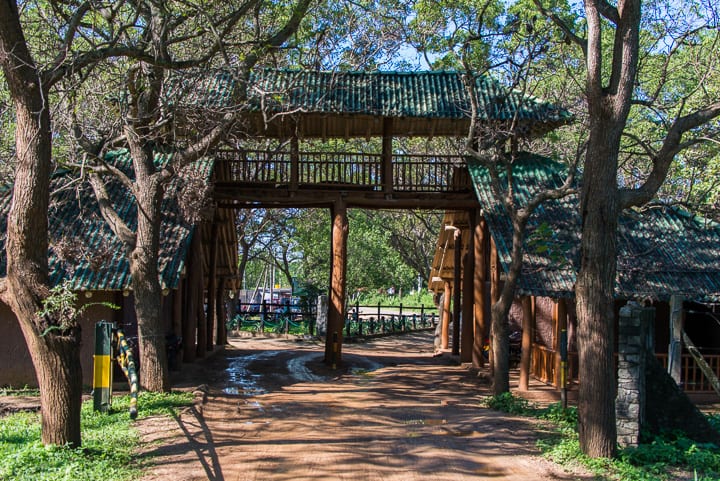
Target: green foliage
[[61, 308], [19, 391], [510, 404], [413, 299], [658, 459], [109, 443]]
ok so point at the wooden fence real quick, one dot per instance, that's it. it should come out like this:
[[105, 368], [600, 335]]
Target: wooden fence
[[376, 320], [542, 367], [361, 321], [410, 172]]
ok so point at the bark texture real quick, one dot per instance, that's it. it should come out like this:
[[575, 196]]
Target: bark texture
[[338, 284], [55, 353]]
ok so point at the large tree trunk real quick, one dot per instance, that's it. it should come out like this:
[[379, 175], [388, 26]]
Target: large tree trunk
[[56, 358], [154, 374], [501, 308], [594, 296], [55, 355]]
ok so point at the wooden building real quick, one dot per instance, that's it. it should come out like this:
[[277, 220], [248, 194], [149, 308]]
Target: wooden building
[[663, 251], [294, 107], [198, 264]]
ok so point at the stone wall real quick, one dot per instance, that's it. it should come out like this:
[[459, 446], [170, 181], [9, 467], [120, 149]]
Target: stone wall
[[634, 339]]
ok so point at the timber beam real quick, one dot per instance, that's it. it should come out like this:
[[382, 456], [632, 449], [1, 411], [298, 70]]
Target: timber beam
[[234, 197]]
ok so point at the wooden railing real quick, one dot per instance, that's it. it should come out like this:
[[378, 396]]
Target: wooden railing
[[410, 173], [542, 364], [542, 368], [691, 377]]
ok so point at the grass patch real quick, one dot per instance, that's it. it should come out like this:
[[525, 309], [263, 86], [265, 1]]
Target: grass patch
[[109, 443], [22, 391], [656, 459]]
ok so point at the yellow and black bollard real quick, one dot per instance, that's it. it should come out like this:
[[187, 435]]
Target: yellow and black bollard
[[126, 360], [102, 366]]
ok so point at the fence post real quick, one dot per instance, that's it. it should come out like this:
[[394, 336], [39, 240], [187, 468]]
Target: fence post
[[322, 315], [675, 347], [263, 315], [357, 318]]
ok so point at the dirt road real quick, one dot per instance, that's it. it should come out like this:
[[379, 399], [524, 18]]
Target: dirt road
[[273, 411]]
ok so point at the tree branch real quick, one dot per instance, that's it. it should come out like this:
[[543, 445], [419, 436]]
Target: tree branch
[[564, 27], [608, 11], [662, 161], [116, 224]]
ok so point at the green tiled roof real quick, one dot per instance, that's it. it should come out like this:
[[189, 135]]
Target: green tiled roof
[[439, 94], [662, 250], [431, 94], [75, 216]]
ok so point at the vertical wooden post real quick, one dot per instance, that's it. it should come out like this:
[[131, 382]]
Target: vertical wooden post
[[445, 328], [468, 300], [177, 309], [387, 167], [202, 338], [212, 286], [338, 282], [494, 273], [221, 315], [675, 347], [528, 325], [479, 293], [559, 325], [494, 289], [294, 162], [457, 290], [190, 324]]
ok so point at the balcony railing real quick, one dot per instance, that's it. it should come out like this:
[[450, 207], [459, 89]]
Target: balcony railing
[[409, 173]]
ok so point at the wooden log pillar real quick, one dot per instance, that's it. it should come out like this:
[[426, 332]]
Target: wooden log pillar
[[294, 162], [387, 151], [177, 309], [479, 292], [528, 327], [190, 283], [494, 287], [212, 286], [457, 290], [221, 327], [559, 325], [338, 282], [202, 336], [675, 347], [445, 328], [468, 297]]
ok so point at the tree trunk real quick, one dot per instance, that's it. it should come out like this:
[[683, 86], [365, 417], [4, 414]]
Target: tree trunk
[[338, 283], [55, 356], [154, 374], [594, 296], [500, 348], [501, 307], [59, 372]]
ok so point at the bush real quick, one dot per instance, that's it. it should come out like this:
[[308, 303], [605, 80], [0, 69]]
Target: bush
[[658, 458]]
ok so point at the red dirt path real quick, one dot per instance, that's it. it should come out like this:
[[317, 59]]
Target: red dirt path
[[269, 409]]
